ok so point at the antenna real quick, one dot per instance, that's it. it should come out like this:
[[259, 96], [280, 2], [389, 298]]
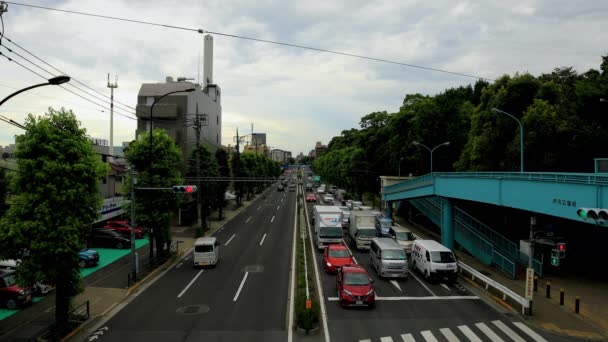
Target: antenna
[[112, 86], [198, 77]]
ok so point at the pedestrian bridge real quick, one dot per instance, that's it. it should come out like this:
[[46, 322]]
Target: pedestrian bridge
[[555, 194]]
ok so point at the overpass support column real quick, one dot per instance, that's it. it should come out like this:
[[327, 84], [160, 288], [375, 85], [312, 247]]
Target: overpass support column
[[447, 223], [389, 209]]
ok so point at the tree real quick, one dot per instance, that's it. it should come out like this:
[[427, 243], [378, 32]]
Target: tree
[[55, 199], [3, 190], [207, 167], [221, 158], [157, 166]]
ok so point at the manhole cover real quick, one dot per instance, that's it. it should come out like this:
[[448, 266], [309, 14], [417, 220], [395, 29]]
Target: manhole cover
[[193, 310], [254, 269]]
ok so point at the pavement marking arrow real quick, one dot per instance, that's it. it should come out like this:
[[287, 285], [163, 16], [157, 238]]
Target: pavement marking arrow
[[395, 284], [93, 338], [445, 287], [104, 328]]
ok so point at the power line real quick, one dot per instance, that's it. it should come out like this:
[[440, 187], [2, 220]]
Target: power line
[[256, 40]]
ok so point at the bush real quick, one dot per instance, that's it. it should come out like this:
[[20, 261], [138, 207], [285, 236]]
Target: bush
[[200, 231]]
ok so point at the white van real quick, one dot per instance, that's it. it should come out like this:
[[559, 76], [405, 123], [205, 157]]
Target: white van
[[39, 288], [206, 251], [388, 258], [434, 260]]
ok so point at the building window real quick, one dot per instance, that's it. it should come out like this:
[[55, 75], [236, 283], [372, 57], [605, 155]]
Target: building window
[[149, 100], [217, 138], [217, 120]]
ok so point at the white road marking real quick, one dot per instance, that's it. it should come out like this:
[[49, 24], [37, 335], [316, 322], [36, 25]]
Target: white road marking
[[529, 332], [488, 332], [272, 219], [190, 284], [179, 265], [423, 284], [248, 219], [445, 287], [263, 237], [505, 329], [349, 251], [188, 257], [278, 206], [469, 333], [232, 237], [366, 340], [405, 298], [260, 207], [282, 200], [396, 284], [236, 296], [385, 339], [449, 335], [428, 336], [408, 338]]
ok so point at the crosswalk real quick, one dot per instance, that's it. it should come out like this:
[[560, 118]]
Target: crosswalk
[[495, 331]]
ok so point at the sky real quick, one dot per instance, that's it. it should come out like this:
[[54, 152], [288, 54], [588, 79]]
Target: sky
[[295, 96]]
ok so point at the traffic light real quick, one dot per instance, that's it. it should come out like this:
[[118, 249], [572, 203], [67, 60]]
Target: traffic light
[[555, 257], [597, 214], [184, 189], [561, 248]]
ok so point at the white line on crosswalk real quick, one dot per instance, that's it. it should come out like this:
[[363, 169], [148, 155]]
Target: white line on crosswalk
[[449, 335], [529, 332], [428, 336], [505, 329], [488, 332], [386, 339], [408, 338], [469, 333], [366, 340]]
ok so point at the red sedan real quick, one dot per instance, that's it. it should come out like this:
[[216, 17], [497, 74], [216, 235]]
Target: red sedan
[[336, 256], [355, 286], [123, 228], [311, 198]]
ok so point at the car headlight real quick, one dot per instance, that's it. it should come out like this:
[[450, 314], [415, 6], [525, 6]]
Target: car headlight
[[348, 293], [370, 292], [328, 264]]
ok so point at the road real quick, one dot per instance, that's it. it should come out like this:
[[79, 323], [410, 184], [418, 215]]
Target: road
[[245, 297], [414, 310]]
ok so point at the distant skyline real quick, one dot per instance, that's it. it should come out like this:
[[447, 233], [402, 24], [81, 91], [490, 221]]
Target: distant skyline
[[297, 97]]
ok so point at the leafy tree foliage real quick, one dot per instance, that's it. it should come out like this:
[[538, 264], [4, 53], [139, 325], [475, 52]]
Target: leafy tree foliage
[[157, 166], [221, 158], [55, 199], [207, 167]]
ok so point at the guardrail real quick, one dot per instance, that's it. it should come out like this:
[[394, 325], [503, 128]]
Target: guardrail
[[506, 292]]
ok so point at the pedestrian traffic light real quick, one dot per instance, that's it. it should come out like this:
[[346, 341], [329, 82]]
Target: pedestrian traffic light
[[593, 213], [188, 189], [555, 257], [561, 248]]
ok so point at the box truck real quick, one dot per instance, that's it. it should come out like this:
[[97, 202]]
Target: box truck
[[328, 225], [362, 230]]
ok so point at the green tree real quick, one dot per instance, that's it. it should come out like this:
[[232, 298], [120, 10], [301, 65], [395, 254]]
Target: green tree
[[55, 199], [157, 166], [221, 158], [3, 190], [207, 191]]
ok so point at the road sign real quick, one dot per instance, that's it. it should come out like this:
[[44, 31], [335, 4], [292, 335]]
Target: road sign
[[529, 283]]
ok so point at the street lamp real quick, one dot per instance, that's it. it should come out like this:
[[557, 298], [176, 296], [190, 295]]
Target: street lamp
[[51, 81], [521, 137], [400, 160], [603, 100], [189, 90], [447, 143]]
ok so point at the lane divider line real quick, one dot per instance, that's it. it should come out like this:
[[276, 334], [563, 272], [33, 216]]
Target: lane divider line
[[248, 219], [263, 237], [278, 206], [236, 296], [423, 284], [190, 284], [272, 219], [179, 265], [292, 270], [227, 242]]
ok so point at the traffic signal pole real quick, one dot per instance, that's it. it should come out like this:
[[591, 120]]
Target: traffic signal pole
[[134, 255], [531, 262]]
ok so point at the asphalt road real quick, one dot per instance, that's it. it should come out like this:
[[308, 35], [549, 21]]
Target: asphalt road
[[243, 298], [415, 310]]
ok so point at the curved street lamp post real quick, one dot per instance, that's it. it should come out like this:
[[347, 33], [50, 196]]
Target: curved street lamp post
[[521, 137], [52, 81], [447, 143], [189, 90]]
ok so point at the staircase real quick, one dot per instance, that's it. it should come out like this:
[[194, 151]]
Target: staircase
[[484, 243]]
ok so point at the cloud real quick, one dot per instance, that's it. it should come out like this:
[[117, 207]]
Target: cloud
[[295, 96]]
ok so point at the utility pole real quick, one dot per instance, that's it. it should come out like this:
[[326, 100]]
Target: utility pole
[[112, 86], [199, 122], [238, 167], [133, 253]]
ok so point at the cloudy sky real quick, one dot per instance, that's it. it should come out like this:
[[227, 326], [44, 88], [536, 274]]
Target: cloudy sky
[[295, 96]]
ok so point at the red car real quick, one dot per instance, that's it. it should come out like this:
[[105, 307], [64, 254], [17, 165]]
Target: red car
[[12, 295], [336, 256], [311, 198], [355, 286], [123, 228]]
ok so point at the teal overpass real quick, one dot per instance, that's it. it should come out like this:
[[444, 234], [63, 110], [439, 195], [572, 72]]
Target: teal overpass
[[555, 194]]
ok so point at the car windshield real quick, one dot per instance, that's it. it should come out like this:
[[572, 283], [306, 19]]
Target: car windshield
[[393, 254], [203, 248], [356, 279], [338, 253], [330, 232], [10, 280], [405, 236], [367, 233], [442, 257]]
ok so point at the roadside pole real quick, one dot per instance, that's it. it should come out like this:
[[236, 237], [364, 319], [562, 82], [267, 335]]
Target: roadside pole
[[529, 292], [133, 253]]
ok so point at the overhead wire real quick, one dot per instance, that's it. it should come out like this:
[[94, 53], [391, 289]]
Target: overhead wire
[[382, 60]]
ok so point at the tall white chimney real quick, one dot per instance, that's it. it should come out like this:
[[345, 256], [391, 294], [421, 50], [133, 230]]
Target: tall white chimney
[[208, 61]]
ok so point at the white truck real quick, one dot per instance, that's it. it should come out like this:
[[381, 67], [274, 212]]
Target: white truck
[[328, 225], [362, 229]]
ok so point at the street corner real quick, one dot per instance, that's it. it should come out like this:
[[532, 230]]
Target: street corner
[[588, 335]]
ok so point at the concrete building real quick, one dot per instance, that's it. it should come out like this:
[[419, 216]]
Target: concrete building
[[176, 113], [280, 155], [319, 149]]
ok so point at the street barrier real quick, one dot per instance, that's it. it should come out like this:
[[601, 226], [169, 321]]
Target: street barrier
[[507, 294]]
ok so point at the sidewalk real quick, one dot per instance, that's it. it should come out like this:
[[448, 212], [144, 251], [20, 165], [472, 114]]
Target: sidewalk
[[104, 300], [590, 324]]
